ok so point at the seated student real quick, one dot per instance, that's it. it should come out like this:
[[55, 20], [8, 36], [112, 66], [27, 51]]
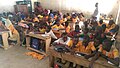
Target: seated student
[[110, 26], [72, 47], [100, 23], [99, 34], [67, 27], [68, 16], [114, 30], [103, 27], [72, 44], [106, 52], [14, 35], [50, 32], [35, 19], [75, 32], [62, 41], [86, 47], [56, 29], [110, 17]]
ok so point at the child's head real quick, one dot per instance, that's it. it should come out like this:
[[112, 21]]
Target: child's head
[[77, 28], [103, 27], [111, 22], [64, 36], [66, 23], [86, 40], [75, 39], [101, 21], [48, 28]]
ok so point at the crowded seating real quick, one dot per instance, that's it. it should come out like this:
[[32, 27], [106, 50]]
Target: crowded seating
[[87, 37]]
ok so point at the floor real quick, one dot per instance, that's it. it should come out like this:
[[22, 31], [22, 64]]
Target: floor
[[15, 58]]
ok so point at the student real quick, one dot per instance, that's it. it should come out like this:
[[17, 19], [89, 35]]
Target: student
[[72, 44], [114, 30], [56, 29], [106, 52], [67, 27], [100, 23], [57, 26], [50, 32], [110, 26], [99, 34], [62, 41], [86, 47], [75, 32], [73, 48], [14, 35]]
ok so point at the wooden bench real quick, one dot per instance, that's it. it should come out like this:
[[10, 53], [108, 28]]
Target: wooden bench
[[100, 63], [4, 35], [47, 40]]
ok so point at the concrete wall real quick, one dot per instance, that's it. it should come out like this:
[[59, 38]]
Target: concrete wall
[[7, 5]]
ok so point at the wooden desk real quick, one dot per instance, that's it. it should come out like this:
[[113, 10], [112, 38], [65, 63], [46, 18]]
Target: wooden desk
[[4, 35], [47, 40], [100, 63]]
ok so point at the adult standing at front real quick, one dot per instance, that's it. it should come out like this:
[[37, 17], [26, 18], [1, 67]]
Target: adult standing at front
[[96, 12]]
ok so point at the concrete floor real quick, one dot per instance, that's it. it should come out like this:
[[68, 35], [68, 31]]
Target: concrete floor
[[15, 58]]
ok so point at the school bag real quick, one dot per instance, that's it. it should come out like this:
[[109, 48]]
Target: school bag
[[35, 43]]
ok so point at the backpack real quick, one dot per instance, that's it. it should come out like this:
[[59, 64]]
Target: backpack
[[35, 43]]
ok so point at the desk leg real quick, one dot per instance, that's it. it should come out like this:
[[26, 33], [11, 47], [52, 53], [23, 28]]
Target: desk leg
[[51, 61], [27, 42], [47, 45], [5, 40]]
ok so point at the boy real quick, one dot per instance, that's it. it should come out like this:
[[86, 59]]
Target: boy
[[106, 52], [75, 32], [62, 41], [86, 47]]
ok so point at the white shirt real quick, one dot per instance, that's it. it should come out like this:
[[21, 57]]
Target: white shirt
[[60, 40], [51, 34]]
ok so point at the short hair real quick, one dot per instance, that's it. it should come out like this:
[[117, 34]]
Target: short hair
[[64, 34], [111, 22], [101, 21]]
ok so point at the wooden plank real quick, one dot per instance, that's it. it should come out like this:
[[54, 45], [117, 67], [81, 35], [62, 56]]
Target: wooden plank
[[38, 36], [47, 44], [80, 60]]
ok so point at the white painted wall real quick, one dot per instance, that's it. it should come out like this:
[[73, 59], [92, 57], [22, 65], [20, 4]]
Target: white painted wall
[[105, 6], [7, 5]]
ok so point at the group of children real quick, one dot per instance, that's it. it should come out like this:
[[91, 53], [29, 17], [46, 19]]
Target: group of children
[[88, 37]]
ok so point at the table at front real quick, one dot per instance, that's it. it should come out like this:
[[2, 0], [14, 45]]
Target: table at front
[[100, 63], [4, 35], [47, 40]]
